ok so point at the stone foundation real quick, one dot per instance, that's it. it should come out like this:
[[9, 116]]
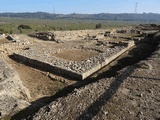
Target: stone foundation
[[46, 58]]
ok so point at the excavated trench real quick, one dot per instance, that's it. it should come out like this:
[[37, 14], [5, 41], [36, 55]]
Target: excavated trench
[[141, 51]]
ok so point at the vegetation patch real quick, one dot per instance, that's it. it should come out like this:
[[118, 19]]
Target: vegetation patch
[[25, 26]]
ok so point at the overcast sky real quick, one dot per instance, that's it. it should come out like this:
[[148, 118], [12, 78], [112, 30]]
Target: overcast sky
[[80, 6]]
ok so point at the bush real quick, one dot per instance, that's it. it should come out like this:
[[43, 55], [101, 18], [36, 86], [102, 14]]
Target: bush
[[24, 27], [20, 31], [99, 25], [2, 31], [10, 32]]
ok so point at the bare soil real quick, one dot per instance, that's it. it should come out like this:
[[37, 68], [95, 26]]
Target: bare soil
[[38, 82], [3, 41], [76, 54]]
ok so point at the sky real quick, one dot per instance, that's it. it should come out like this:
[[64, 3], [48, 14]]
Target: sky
[[80, 6]]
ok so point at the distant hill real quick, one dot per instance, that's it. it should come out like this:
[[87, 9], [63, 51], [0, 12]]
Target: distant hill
[[101, 16]]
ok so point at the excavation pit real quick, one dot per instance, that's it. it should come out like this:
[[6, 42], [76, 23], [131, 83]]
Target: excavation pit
[[76, 61]]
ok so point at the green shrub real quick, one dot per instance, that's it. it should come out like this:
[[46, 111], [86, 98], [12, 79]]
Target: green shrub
[[24, 27], [2, 31], [98, 26]]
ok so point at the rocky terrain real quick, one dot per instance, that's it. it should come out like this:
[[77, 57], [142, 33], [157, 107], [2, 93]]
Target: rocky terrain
[[13, 95], [60, 59], [127, 88], [133, 94]]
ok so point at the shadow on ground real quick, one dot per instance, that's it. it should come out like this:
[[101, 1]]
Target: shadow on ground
[[95, 107]]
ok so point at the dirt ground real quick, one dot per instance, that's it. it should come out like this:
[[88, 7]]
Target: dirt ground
[[3, 41], [37, 81], [73, 56]]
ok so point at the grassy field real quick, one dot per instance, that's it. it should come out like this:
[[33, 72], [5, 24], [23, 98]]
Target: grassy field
[[10, 25]]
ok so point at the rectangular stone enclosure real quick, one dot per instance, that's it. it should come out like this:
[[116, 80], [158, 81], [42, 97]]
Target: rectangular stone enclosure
[[76, 59]]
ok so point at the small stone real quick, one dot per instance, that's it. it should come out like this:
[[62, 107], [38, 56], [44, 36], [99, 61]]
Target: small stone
[[105, 112], [141, 95], [47, 74], [63, 81]]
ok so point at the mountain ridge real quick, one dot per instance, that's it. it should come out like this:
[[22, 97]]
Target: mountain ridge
[[100, 16]]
